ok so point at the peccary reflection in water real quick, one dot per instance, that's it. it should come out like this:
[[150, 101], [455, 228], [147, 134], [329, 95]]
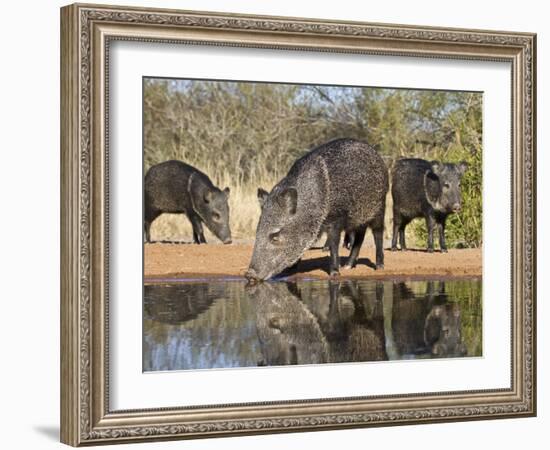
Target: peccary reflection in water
[[349, 324], [426, 325], [217, 324], [290, 333], [178, 303], [353, 321]]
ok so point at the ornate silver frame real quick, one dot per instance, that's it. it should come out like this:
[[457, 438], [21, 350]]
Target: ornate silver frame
[[86, 31]]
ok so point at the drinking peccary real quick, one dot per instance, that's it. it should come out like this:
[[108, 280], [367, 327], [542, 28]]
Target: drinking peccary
[[340, 185], [425, 189], [175, 187]]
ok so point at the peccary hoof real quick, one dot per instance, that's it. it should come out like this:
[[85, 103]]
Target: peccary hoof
[[379, 266], [334, 273], [394, 249], [430, 250], [444, 250], [326, 248], [348, 266]]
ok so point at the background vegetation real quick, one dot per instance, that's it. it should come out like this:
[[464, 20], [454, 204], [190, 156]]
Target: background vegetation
[[247, 135]]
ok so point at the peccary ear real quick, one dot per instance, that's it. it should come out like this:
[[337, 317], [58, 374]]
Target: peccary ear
[[462, 167], [437, 166], [262, 195], [288, 199], [226, 191]]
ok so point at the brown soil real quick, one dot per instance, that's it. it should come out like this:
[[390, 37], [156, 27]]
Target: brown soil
[[170, 261]]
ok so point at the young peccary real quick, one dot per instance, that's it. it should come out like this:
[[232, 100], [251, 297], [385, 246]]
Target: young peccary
[[175, 187], [425, 189], [340, 185]]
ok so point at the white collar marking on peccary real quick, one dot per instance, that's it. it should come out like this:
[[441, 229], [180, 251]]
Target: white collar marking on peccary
[[189, 181], [436, 205]]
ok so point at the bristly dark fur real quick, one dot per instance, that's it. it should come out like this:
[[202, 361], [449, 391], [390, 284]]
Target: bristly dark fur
[[338, 186], [425, 189], [178, 188]]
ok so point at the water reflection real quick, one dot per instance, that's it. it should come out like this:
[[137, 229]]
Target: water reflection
[[179, 303], [427, 325], [228, 324]]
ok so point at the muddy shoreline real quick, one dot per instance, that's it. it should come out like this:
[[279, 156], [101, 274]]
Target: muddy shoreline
[[173, 262]]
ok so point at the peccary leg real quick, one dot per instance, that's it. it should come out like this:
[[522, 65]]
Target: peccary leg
[[379, 244], [147, 231], [326, 247], [430, 224], [150, 216], [441, 231], [334, 293], [334, 242], [349, 239], [198, 234], [402, 236], [356, 246], [396, 227], [399, 224]]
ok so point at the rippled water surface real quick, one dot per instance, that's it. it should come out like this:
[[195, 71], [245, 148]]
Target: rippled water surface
[[221, 324]]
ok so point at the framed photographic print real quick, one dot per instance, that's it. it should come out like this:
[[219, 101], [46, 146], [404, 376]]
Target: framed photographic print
[[275, 224]]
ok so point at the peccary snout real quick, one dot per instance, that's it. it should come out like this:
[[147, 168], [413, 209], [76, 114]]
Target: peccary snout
[[251, 275]]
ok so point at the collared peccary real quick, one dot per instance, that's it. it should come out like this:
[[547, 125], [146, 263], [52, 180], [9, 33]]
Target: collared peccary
[[425, 189], [175, 187], [340, 185]]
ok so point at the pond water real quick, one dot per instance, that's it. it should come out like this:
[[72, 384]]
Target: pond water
[[226, 323]]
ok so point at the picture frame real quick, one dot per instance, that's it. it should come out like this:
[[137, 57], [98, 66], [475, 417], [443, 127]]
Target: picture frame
[[87, 32]]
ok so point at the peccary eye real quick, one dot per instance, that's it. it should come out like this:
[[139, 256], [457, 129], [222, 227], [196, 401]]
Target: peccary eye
[[216, 217], [275, 238], [446, 185]]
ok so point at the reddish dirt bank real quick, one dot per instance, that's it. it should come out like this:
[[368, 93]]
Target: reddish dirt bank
[[165, 261]]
